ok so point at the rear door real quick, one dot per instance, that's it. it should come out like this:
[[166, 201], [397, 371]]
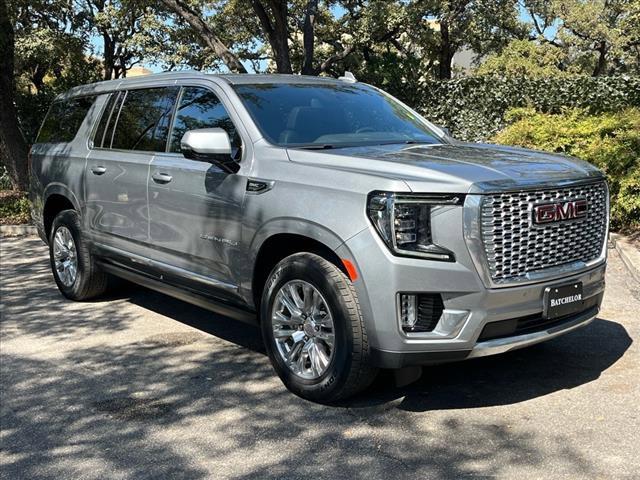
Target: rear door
[[195, 207], [133, 128]]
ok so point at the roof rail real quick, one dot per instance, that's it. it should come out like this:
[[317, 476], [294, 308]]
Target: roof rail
[[348, 77]]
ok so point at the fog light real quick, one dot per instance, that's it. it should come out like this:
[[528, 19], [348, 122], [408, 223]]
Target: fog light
[[408, 311], [421, 312]]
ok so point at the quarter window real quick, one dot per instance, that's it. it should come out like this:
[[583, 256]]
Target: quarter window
[[144, 119], [201, 108], [64, 119]]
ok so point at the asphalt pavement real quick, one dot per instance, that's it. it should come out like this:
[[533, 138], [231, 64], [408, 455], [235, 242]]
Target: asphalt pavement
[[138, 385]]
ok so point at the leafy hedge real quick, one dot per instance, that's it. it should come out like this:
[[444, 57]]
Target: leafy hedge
[[475, 108], [610, 141]]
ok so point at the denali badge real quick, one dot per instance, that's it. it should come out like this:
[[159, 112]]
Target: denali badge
[[557, 212]]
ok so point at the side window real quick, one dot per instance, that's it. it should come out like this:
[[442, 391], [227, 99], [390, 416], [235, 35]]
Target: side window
[[102, 137], [64, 119], [201, 108], [144, 119]]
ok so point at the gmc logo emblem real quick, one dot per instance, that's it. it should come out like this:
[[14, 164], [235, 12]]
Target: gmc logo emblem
[[557, 212]]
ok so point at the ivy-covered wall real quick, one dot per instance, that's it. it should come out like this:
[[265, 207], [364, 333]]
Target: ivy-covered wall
[[475, 108]]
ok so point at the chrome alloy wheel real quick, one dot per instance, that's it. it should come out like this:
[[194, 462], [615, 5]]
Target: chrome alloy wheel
[[303, 329], [64, 256]]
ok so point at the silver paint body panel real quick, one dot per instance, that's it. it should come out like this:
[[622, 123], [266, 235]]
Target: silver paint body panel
[[204, 227]]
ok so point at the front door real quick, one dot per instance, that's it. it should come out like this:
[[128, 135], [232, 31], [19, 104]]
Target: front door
[[195, 208]]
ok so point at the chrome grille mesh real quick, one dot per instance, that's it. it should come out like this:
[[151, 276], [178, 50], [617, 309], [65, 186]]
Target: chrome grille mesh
[[515, 247]]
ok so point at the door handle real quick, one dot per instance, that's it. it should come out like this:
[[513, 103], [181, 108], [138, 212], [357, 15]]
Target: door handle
[[98, 170], [161, 177]]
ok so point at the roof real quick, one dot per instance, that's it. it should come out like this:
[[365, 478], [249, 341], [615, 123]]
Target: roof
[[253, 78], [232, 79]]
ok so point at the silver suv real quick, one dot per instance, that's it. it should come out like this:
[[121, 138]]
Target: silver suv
[[355, 233]]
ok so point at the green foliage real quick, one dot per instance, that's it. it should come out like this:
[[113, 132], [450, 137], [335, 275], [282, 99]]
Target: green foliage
[[524, 58], [475, 108], [610, 141], [14, 208], [5, 179]]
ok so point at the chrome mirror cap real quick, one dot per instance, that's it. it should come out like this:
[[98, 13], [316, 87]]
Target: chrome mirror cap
[[206, 141]]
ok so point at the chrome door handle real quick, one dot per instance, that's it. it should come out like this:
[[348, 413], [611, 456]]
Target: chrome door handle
[[161, 178], [99, 170]]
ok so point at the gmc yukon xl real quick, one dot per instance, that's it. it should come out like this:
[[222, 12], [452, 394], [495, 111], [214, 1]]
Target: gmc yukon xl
[[357, 234]]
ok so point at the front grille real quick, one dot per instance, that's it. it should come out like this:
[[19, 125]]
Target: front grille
[[515, 247]]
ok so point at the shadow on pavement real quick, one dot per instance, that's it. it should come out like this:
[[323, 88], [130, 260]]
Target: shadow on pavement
[[563, 363], [166, 407]]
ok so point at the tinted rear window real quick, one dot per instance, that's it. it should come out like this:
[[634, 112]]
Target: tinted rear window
[[144, 119], [64, 119]]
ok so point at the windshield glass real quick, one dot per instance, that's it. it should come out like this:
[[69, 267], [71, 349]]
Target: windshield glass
[[331, 115]]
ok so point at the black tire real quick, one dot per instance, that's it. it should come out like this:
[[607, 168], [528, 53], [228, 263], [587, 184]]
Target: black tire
[[90, 281], [349, 370]]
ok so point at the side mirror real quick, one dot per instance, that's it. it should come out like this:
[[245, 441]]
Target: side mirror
[[209, 145]]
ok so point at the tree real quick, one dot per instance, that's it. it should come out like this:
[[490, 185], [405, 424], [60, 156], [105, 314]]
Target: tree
[[274, 19], [190, 14], [119, 24], [13, 147], [601, 36], [485, 26], [524, 58]]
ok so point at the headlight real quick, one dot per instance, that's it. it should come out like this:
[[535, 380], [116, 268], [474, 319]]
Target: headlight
[[404, 222]]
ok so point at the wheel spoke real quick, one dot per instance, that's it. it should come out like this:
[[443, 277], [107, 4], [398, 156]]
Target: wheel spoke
[[280, 318], [316, 359], [295, 296], [282, 333], [323, 359], [289, 303], [307, 298], [326, 336], [295, 352]]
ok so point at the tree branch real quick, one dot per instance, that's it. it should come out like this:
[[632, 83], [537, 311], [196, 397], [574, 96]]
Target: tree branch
[[207, 35]]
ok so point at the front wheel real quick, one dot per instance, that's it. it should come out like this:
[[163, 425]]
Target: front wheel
[[313, 329]]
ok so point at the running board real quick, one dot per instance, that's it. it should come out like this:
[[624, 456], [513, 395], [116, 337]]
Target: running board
[[235, 313]]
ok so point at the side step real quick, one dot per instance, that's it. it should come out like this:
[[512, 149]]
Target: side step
[[210, 304]]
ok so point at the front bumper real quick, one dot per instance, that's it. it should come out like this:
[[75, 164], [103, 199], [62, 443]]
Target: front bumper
[[387, 359], [469, 304]]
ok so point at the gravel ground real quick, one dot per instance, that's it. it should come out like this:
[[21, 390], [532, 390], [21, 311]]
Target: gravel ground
[[139, 385]]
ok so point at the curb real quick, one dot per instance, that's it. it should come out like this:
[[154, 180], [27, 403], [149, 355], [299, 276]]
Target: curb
[[17, 230], [629, 254]]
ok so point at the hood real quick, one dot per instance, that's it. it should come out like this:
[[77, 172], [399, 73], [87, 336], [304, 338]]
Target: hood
[[455, 167]]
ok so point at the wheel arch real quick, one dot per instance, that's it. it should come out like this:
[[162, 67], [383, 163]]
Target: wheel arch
[[274, 244], [56, 199]]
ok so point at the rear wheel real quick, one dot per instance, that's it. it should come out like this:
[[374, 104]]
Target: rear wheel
[[74, 269], [313, 329]]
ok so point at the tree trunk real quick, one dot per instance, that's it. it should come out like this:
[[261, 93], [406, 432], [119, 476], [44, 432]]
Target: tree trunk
[[445, 56], [277, 32], [109, 58], [207, 35], [308, 37], [602, 59], [13, 147]]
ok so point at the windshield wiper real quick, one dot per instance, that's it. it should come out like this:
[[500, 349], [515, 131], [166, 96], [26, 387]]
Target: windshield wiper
[[318, 146]]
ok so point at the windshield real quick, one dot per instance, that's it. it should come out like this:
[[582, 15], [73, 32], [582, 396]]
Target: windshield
[[331, 115]]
